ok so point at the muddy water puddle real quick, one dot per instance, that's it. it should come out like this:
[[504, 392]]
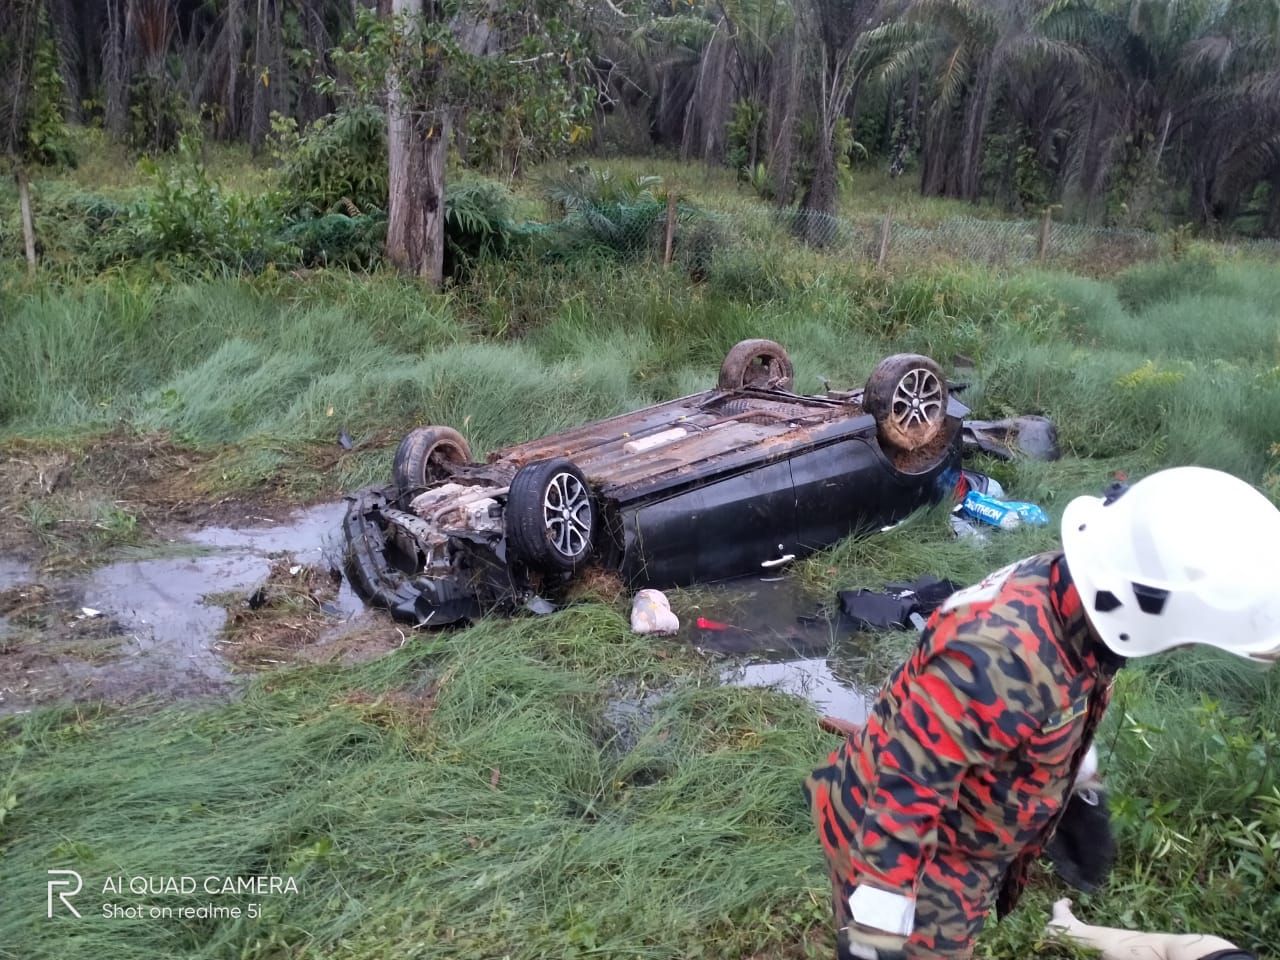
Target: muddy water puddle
[[776, 635], [145, 628]]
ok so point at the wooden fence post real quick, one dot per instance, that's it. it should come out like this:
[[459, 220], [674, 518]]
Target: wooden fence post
[[883, 256], [669, 240], [28, 230], [1042, 248]]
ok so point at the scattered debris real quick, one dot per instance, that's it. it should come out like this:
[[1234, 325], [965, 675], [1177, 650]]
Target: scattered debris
[[281, 616], [972, 480], [1005, 514], [965, 529], [837, 726], [540, 606], [1032, 436], [716, 626], [894, 607], [651, 614]]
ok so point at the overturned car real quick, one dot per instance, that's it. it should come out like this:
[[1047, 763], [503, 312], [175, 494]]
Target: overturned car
[[742, 478]]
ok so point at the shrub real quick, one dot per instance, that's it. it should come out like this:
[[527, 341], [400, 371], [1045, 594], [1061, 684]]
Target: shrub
[[156, 112], [335, 239], [478, 222], [342, 156], [190, 219], [604, 211]]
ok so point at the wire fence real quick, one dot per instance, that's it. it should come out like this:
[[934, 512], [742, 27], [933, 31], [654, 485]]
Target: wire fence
[[693, 236]]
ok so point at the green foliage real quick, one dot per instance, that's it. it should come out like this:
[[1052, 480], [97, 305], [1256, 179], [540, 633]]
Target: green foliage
[[1031, 180], [338, 240], [759, 179], [340, 157], [618, 214], [157, 114], [48, 142], [528, 103], [478, 222], [845, 149], [745, 137], [190, 220], [423, 781]]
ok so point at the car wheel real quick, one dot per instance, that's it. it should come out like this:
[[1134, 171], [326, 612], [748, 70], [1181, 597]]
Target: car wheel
[[757, 363], [550, 520], [422, 458], [907, 395]]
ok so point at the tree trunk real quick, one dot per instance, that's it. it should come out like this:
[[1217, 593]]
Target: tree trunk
[[116, 108], [819, 202], [975, 124], [417, 144], [260, 122], [783, 99], [1273, 207], [28, 227], [66, 34], [235, 50]]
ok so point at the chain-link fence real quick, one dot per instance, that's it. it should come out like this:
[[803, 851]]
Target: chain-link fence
[[693, 236]]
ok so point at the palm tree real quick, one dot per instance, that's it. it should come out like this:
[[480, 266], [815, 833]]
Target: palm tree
[[833, 29], [983, 50]]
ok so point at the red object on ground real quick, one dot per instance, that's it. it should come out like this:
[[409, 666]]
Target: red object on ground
[[705, 624], [844, 728]]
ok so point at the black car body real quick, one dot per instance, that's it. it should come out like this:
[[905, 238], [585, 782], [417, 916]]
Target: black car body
[[739, 479]]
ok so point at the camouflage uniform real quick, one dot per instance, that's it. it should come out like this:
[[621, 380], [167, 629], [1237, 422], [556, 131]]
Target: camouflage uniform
[[957, 779]]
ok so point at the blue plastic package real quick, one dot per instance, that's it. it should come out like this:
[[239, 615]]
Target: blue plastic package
[[1005, 514]]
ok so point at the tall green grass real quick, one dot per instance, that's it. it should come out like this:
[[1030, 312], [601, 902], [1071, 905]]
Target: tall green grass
[[683, 834], [474, 795], [466, 797]]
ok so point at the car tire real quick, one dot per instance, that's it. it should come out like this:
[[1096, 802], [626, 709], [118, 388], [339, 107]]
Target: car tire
[[550, 518], [907, 394], [422, 456], [757, 363]]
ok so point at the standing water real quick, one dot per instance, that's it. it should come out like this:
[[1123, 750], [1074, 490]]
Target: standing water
[[780, 637], [160, 613]]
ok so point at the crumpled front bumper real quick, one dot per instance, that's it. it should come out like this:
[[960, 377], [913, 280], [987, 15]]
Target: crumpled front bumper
[[412, 599]]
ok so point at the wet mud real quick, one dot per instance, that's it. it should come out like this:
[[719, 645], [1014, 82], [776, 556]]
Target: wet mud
[[148, 629]]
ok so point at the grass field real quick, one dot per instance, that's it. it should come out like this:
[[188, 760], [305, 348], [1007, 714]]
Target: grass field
[[472, 794]]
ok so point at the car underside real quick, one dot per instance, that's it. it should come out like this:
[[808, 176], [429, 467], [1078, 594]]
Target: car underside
[[741, 478]]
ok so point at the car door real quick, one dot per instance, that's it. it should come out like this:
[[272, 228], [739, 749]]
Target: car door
[[730, 527], [842, 488]]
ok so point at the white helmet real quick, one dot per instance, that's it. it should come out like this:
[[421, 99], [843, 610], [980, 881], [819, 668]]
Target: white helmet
[[1187, 555]]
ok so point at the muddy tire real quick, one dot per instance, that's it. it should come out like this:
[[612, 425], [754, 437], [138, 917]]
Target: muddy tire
[[550, 519], [423, 455], [907, 394], [757, 363]]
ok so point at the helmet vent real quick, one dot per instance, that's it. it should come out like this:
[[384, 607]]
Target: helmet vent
[[1106, 601], [1150, 599]]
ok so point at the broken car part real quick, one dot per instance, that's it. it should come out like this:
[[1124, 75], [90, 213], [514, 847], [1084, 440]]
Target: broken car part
[[1031, 436]]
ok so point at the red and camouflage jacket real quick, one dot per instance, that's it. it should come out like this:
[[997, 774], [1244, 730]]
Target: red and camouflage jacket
[[971, 749]]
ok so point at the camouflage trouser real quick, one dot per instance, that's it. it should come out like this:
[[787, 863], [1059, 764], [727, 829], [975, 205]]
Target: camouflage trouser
[[953, 896]]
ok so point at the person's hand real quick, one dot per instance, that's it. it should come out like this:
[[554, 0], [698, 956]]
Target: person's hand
[[866, 943]]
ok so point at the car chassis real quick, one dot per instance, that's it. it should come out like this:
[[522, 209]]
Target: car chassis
[[742, 478]]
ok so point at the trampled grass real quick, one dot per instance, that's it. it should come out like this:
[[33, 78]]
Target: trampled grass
[[472, 795]]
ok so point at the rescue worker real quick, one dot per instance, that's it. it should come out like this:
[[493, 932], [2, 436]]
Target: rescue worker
[[931, 812]]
